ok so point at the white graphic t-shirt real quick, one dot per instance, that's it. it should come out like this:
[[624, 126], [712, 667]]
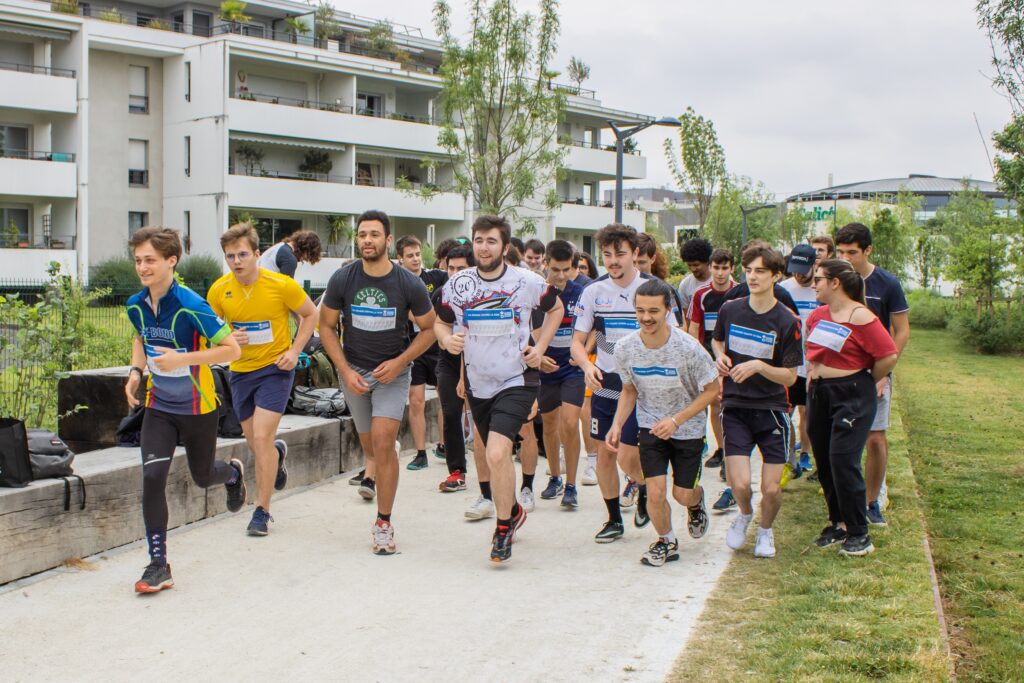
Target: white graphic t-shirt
[[805, 302]]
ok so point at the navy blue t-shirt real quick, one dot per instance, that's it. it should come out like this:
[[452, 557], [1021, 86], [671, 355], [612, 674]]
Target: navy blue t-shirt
[[742, 290], [558, 349], [885, 296]]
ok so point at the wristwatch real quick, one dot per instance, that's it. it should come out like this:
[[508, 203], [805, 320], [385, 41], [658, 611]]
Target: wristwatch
[[135, 368]]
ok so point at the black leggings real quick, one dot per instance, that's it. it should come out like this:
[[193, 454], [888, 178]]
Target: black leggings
[[160, 434], [452, 408], [839, 416]]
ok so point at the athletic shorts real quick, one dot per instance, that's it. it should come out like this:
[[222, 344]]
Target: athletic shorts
[[602, 412], [684, 455], [424, 371], [504, 413], [570, 391], [881, 422], [268, 388], [746, 428], [382, 400], [798, 392]]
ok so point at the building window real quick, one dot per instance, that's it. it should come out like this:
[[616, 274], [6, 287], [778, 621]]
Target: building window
[[136, 220], [369, 105], [188, 156], [368, 174], [138, 89], [588, 246], [14, 224], [201, 23], [138, 163], [188, 232], [14, 141], [188, 81]]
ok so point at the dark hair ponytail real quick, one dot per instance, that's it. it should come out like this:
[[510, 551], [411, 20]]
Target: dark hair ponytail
[[849, 279]]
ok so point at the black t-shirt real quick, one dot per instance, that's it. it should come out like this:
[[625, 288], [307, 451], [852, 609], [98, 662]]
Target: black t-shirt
[[433, 280], [286, 261], [773, 337], [884, 296], [374, 311], [449, 361], [743, 290]]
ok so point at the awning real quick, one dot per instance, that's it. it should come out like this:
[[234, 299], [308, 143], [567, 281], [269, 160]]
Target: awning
[[376, 152], [34, 31], [288, 142]]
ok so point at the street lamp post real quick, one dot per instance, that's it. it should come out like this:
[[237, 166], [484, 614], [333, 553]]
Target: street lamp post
[[746, 210], [620, 137]]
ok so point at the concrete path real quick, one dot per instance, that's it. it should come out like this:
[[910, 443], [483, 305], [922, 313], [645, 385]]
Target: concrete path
[[310, 602]]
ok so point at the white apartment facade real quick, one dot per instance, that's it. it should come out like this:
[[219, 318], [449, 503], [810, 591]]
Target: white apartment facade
[[163, 114]]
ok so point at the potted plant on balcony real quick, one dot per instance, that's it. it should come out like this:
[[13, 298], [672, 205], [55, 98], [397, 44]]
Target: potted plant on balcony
[[629, 146], [112, 15], [316, 163], [337, 228], [233, 12], [578, 72], [251, 157], [159, 24], [11, 234], [326, 25], [295, 27], [64, 6]]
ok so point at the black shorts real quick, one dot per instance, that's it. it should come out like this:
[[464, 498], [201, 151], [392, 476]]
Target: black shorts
[[602, 413], [685, 456], [505, 413], [569, 390], [798, 392], [424, 370], [748, 427]]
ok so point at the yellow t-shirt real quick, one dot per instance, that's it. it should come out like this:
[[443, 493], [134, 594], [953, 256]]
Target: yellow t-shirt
[[262, 310]]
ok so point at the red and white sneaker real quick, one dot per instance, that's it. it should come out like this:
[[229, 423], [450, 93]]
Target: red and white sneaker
[[383, 538], [456, 481]]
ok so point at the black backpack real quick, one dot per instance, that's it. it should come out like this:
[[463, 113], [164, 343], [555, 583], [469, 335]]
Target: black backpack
[[228, 425]]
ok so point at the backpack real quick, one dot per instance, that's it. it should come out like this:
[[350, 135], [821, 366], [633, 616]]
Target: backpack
[[50, 457], [318, 402], [228, 425], [321, 373], [15, 466]]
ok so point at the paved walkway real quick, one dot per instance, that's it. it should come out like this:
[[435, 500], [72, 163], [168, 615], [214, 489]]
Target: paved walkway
[[310, 602]]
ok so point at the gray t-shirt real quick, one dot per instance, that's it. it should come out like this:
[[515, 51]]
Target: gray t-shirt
[[667, 379], [374, 312], [688, 287]]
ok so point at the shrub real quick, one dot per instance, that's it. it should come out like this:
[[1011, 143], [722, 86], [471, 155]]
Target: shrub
[[199, 272], [928, 309], [117, 274], [994, 332]]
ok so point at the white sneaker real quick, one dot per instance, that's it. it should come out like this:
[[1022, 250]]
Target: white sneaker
[[589, 477], [383, 538], [736, 536], [526, 501], [765, 544], [481, 508]]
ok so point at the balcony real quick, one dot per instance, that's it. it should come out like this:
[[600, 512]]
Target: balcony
[[599, 160], [38, 88], [38, 174], [33, 263], [138, 178], [580, 215]]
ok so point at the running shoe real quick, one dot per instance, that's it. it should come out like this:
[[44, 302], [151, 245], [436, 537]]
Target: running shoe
[[717, 459], [383, 538], [357, 479], [787, 475], [697, 519], [526, 500], [553, 489], [439, 452], [258, 524], [661, 552], [611, 531], [367, 489], [456, 481], [813, 477], [517, 522], [797, 471], [724, 502], [857, 546], [418, 463], [501, 543], [481, 508], [764, 546], [282, 472], [155, 578], [736, 536], [589, 477], [830, 535], [570, 499], [236, 491], [629, 494], [875, 514], [640, 516], [805, 462]]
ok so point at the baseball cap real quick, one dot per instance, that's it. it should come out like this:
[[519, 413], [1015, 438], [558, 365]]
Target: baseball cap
[[801, 259]]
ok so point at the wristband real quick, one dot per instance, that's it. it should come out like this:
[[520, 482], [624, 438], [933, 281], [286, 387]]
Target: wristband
[[135, 368], [673, 418]]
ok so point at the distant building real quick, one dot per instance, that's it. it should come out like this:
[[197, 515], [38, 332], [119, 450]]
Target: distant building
[[670, 210]]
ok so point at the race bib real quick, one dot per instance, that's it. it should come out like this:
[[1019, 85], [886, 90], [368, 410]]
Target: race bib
[[153, 352], [259, 332], [657, 378], [710, 320], [491, 322], [806, 308], [830, 335], [750, 342], [563, 338], [617, 328], [372, 319]]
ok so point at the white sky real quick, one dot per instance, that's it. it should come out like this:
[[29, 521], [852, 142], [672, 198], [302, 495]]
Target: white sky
[[797, 89]]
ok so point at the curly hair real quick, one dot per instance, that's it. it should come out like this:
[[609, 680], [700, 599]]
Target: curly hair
[[306, 245], [696, 249]]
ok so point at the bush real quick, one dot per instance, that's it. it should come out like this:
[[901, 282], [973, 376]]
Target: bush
[[928, 309], [199, 272], [995, 332], [117, 273]]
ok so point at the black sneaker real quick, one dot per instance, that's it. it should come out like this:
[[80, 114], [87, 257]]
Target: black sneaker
[[367, 489], [697, 519], [501, 543], [236, 491], [717, 459], [640, 516], [830, 535], [282, 472], [418, 463], [611, 531], [258, 523], [661, 552], [155, 578], [357, 479], [439, 452], [857, 546], [813, 476]]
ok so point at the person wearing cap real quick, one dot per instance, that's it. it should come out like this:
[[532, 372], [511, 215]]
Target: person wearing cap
[[800, 264]]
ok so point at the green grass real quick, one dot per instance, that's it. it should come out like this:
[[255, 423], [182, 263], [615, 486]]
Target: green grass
[[964, 413]]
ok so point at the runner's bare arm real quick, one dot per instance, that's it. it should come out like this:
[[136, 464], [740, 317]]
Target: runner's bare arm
[[900, 330], [134, 378], [694, 330], [883, 366], [552, 321]]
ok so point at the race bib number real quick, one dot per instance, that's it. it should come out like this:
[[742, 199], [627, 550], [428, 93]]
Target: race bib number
[[830, 335], [563, 338], [154, 352], [710, 320], [259, 332], [617, 328], [806, 308], [753, 343], [372, 319], [492, 322], [657, 378]]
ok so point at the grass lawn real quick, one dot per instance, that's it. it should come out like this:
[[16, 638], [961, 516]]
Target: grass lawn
[[963, 412]]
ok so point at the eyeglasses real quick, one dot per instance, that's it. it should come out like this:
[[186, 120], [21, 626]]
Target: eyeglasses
[[821, 277], [240, 256]]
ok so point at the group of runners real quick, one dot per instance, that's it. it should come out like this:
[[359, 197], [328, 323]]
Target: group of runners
[[547, 356]]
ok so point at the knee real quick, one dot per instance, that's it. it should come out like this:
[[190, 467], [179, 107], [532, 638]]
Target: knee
[[153, 477], [383, 446], [655, 495], [417, 401], [741, 489], [771, 490]]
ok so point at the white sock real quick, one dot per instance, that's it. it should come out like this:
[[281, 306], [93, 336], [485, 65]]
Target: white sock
[[670, 537], [746, 518], [592, 459]]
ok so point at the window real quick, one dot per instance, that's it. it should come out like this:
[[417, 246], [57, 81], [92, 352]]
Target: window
[[179, 21], [188, 156], [138, 163], [369, 105], [138, 89], [136, 220], [85, 8], [188, 232], [188, 81], [201, 23], [368, 174], [589, 195], [14, 140], [14, 224], [588, 245]]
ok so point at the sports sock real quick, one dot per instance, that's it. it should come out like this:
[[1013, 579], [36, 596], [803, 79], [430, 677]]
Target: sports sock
[[485, 489], [670, 537], [592, 459], [527, 482], [157, 540], [381, 517], [614, 512]]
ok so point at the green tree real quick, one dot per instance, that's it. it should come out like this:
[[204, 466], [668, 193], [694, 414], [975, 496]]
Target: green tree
[[381, 36], [327, 26], [233, 12], [1003, 22], [795, 225], [296, 27], [893, 230], [724, 226], [498, 118], [578, 72], [931, 251], [699, 167]]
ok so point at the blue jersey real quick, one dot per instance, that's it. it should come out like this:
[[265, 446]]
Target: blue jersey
[[183, 321], [558, 349]]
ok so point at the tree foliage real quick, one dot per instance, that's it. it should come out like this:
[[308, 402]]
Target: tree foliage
[[327, 26], [1003, 22], [699, 166], [724, 225], [893, 230], [578, 71]]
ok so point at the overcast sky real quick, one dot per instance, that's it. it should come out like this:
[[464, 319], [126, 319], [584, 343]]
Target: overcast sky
[[797, 89]]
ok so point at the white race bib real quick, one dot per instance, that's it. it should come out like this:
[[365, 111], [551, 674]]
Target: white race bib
[[710, 320], [617, 328], [654, 378], [153, 352], [753, 343], [259, 332], [490, 322], [563, 338], [806, 308], [830, 335], [373, 319]]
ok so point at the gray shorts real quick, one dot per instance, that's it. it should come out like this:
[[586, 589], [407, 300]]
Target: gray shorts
[[382, 400], [881, 422]]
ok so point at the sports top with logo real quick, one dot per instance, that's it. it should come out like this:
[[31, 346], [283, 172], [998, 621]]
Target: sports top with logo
[[741, 291], [667, 379], [496, 316], [279, 258], [261, 309], [884, 295], [183, 321], [806, 302], [773, 337], [558, 350], [688, 287], [374, 311], [610, 310], [703, 310], [846, 346]]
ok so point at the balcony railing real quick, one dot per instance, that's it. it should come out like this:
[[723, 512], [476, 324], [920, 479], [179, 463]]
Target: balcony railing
[[581, 201], [138, 104], [37, 156], [138, 178], [572, 90], [394, 115], [291, 175], [294, 102], [55, 242], [31, 69], [590, 144]]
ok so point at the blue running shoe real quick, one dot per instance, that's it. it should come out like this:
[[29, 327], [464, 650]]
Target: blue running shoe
[[725, 501], [554, 488], [258, 525], [570, 500], [875, 514], [805, 462]]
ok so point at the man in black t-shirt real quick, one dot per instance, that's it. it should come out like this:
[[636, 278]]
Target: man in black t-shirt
[[758, 349], [373, 299]]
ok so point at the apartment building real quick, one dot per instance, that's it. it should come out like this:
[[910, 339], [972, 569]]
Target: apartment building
[[129, 114]]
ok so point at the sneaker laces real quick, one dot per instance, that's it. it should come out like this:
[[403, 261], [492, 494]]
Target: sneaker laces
[[261, 515], [383, 534]]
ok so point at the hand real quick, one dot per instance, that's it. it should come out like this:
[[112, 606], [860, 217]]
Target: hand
[[611, 439], [386, 372], [355, 382], [131, 387], [456, 343], [548, 364], [170, 360], [664, 429], [724, 365], [744, 371], [532, 357], [460, 389], [241, 336], [593, 377], [288, 360], [881, 386], [533, 413]]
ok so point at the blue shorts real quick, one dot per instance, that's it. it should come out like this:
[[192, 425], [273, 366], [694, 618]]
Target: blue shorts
[[268, 388], [602, 412]]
